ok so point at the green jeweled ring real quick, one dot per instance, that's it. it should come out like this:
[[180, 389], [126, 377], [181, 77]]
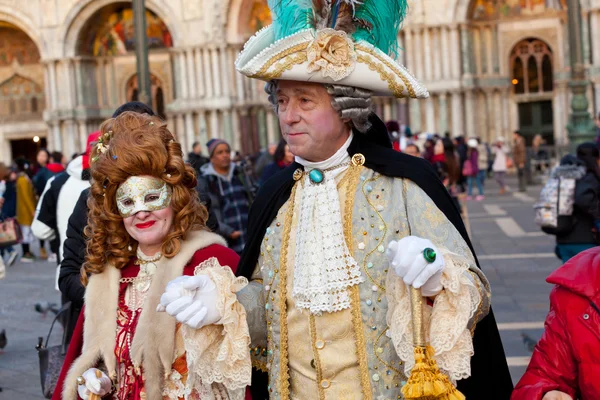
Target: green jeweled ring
[[316, 176], [429, 255]]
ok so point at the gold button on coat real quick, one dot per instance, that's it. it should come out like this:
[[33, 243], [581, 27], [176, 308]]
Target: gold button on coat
[[325, 383]]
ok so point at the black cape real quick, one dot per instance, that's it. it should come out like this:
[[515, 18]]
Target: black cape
[[490, 377]]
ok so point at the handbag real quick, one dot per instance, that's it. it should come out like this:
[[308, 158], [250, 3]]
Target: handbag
[[51, 359], [467, 168], [509, 163], [10, 232]]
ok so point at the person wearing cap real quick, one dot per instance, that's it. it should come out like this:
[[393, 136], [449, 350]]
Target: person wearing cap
[[230, 193], [338, 240]]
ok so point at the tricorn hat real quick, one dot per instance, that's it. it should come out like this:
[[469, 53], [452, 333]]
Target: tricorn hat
[[345, 42]]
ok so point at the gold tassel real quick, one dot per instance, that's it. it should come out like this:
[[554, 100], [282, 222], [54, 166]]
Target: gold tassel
[[426, 381]]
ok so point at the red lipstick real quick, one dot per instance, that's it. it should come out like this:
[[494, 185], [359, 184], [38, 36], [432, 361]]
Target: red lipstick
[[145, 225]]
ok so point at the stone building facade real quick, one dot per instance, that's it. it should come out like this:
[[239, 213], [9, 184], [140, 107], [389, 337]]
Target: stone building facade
[[491, 67]]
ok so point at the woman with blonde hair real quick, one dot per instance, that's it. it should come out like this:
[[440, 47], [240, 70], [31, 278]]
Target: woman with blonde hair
[[148, 248]]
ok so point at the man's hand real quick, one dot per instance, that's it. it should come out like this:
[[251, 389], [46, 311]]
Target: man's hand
[[556, 395], [235, 235], [408, 261]]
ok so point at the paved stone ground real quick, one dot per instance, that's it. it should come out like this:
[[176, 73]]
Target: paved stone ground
[[502, 229]]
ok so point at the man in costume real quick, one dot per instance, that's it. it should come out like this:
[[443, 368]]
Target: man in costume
[[339, 239]]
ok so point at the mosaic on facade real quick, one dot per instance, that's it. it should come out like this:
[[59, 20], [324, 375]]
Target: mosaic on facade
[[115, 33], [260, 15], [16, 45], [498, 9]]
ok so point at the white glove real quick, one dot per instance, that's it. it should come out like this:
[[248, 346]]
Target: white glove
[[407, 260], [94, 385], [192, 300]]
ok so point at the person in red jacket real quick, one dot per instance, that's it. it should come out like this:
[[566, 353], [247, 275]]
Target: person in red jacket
[[565, 362]]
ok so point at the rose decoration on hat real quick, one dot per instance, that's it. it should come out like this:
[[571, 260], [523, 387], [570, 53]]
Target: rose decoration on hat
[[332, 52]]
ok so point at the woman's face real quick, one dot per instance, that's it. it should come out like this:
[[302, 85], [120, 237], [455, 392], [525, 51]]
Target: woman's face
[[42, 158], [144, 202], [439, 147], [288, 158]]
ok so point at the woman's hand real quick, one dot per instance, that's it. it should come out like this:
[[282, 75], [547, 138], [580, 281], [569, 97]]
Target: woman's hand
[[192, 300], [89, 383], [556, 395]]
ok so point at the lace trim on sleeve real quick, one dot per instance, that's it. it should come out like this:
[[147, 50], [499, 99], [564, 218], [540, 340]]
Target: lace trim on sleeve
[[448, 320], [219, 353]]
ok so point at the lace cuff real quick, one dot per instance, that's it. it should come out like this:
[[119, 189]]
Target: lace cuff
[[219, 353], [448, 321]]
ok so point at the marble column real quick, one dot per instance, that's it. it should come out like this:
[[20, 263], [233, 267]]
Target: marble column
[[206, 69], [57, 142], [470, 113], [235, 127], [239, 85], [53, 85], [409, 59], [202, 128], [71, 92], [417, 53], [585, 33], [182, 78], [466, 50], [272, 128], [437, 46], [458, 127], [447, 56], [227, 127], [197, 52], [455, 52], [443, 112], [595, 37], [387, 110], [427, 51], [414, 109], [180, 131], [596, 98], [189, 132], [488, 45], [430, 115], [401, 49], [479, 52], [191, 74], [215, 131], [226, 67], [495, 51], [505, 98], [216, 70], [83, 134]]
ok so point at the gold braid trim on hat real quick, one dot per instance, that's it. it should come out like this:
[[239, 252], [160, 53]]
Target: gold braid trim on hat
[[384, 75], [262, 73]]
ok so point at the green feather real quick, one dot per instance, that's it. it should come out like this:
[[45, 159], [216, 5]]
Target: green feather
[[385, 18], [291, 16]]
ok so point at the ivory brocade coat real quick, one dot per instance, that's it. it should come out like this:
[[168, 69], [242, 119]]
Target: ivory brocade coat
[[364, 352]]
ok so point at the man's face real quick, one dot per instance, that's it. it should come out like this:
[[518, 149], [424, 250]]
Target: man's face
[[309, 124], [411, 150], [221, 157]]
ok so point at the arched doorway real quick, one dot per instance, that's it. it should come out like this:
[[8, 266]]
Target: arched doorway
[[22, 99], [108, 36], [531, 66], [157, 93]]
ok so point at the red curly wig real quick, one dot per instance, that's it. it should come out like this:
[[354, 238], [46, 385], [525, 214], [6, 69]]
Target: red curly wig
[[135, 145]]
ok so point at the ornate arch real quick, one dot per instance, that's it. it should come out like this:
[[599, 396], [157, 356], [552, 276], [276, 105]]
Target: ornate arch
[[238, 13], [80, 14], [24, 23]]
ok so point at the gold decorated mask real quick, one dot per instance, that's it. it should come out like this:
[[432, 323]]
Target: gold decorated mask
[[142, 193]]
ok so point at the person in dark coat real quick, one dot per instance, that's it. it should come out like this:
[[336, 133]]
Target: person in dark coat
[[579, 231], [564, 363], [282, 158], [195, 158]]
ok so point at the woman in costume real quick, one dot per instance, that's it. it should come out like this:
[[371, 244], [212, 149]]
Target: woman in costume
[[147, 241]]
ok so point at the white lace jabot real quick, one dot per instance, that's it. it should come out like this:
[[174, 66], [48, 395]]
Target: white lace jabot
[[324, 268]]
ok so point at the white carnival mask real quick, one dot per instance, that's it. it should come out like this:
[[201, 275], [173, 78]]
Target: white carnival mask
[[142, 193]]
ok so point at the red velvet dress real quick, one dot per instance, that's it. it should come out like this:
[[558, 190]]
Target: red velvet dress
[[131, 384]]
